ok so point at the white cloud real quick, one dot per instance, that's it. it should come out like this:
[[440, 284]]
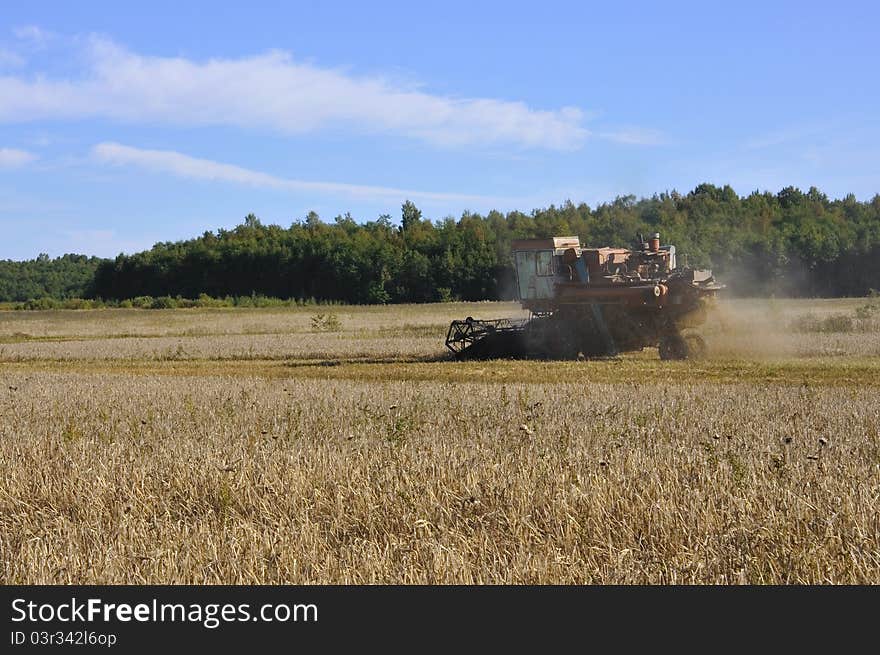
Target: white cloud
[[273, 91], [181, 165], [12, 158]]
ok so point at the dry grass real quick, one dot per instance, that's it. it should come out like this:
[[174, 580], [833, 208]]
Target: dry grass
[[120, 466], [398, 332]]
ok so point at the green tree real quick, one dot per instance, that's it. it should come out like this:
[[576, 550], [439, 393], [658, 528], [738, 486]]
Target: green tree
[[409, 215]]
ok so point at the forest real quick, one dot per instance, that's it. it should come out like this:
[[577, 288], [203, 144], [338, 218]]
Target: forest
[[791, 243], [68, 276]]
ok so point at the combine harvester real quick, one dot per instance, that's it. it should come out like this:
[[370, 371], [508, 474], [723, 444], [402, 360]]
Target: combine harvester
[[594, 302]]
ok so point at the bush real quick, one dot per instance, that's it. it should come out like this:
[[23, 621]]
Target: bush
[[79, 303], [865, 312], [838, 323], [42, 303], [164, 302], [444, 294], [204, 300], [810, 323], [168, 302], [326, 323]]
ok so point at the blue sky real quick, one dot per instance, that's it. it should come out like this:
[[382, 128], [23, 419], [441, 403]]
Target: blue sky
[[121, 126]]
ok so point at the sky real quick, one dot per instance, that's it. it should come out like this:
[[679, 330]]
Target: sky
[[124, 124]]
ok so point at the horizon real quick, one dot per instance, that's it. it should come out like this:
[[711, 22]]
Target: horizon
[[436, 221], [123, 128]]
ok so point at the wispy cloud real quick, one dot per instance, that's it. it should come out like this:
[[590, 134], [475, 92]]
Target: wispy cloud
[[185, 166], [33, 34], [787, 135], [13, 158], [10, 59], [273, 91], [636, 136]]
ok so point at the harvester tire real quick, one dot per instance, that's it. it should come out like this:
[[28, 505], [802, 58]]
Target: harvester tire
[[673, 346], [696, 346]]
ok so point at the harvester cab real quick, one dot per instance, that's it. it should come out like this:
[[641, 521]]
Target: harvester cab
[[594, 302]]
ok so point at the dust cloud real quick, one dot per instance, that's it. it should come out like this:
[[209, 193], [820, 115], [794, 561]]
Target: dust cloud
[[754, 328], [766, 328]]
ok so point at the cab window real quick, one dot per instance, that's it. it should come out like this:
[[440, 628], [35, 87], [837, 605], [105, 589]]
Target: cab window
[[544, 263]]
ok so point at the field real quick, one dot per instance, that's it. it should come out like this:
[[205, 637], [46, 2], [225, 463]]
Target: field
[[339, 445]]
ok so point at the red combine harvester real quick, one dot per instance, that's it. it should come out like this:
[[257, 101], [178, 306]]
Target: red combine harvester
[[594, 302]]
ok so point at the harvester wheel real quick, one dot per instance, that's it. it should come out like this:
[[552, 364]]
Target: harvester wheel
[[673, 346], [696, 346]]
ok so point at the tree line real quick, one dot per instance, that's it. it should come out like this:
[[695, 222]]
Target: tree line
[[66, 277], [790, 243]]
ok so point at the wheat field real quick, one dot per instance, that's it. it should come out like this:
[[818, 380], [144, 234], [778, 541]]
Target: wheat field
[[278, 446]]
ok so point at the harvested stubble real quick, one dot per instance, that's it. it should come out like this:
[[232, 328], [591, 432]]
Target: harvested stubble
[[144, 478]]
